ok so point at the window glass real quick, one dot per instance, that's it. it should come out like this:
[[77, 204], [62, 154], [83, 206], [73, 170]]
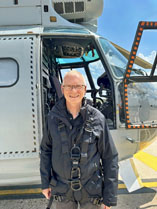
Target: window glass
[[116, 60], [8, 72], [97, 70]]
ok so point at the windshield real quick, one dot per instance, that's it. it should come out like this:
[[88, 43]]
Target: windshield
[[116, 60]]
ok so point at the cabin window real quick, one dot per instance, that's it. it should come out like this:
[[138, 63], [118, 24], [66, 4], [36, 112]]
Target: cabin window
[[8, 72]]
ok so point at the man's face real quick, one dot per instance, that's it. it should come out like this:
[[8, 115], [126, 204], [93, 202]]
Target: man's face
[[74, 89]]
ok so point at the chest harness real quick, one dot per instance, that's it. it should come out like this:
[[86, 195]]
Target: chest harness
[[78, 152], [78, 155]]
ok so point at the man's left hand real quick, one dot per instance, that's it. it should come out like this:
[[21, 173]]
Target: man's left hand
[[104, 207]]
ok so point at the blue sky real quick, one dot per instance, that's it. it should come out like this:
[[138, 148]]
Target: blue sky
[[119, 21]]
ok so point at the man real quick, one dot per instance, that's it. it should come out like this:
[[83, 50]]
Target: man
[[79, 161]]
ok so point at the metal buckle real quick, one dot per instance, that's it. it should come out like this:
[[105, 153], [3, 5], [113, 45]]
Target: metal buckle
[[88, 127], [75, 153], [75, 170], [58, 198], [76, 185], [60, 125], [75, 180], [97, 201]]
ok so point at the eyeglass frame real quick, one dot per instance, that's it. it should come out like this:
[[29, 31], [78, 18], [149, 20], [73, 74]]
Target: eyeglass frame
[[70, 87]]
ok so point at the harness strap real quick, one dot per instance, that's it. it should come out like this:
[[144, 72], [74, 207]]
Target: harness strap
[[64, 139], [50, 202], [77, 156], [86, 138]]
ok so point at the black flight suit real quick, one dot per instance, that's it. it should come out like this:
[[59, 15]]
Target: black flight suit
[[98, 162]]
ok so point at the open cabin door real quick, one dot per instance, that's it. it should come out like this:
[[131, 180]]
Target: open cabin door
[[18, 100], [140, 88]]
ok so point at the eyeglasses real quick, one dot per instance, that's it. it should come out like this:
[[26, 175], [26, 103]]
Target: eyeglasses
[[70, 87]]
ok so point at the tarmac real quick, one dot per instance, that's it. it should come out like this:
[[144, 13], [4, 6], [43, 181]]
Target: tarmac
[[125, 201], [144, 198]]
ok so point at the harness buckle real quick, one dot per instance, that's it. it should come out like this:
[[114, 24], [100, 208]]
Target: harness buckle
[[60, 125], [75, 173], [88, 126], [75, 153], [76, 185], [58, 198], [96, 201], [75, 179]]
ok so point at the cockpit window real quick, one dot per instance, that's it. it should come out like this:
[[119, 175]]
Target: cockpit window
[[96, 70], [116, 60]]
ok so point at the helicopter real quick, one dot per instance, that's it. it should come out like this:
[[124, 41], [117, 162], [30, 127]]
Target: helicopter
[[36, 50]]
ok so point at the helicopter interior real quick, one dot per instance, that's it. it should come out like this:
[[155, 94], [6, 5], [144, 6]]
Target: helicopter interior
[[60, 55]]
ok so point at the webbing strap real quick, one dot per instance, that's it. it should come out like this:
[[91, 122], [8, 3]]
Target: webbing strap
[[64, 138], [77, 140], [86, 138], [64, 141], [50, 202], [84, 151]]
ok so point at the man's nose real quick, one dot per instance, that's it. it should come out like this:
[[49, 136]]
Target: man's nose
[[74, 88]]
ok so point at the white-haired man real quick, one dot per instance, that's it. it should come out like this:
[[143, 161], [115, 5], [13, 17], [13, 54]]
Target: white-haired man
[[79, 161]]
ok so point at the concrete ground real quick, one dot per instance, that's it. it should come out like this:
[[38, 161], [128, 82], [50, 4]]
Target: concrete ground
[[125, 201]]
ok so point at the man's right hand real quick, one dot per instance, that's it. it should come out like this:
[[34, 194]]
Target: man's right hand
[[47, 193]]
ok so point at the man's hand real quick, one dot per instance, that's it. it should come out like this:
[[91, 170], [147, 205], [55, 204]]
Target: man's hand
[[47, 193], [104, 207]]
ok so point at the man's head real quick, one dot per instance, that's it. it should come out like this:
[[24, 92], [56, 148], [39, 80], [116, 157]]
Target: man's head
[[74, 87]]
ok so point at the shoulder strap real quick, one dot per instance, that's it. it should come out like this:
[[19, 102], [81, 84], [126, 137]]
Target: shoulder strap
[[64, 139], [88, 129], [65, 146]]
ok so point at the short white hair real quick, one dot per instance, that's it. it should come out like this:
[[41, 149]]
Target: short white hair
[[75, 72]]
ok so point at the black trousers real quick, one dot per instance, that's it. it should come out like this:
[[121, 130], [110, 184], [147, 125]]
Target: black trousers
[[73, 205]]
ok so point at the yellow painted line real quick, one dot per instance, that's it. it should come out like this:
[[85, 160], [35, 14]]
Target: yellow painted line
[[121, 186], [147, 159], [150, 184], [20, 191], [145, 184], [38, 191]]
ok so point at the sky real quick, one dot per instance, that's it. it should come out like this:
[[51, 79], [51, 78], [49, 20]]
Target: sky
[[119, 21]]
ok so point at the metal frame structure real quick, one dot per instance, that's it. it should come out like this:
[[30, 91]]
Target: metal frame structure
[[141, 27]]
